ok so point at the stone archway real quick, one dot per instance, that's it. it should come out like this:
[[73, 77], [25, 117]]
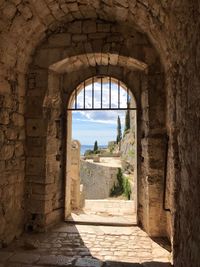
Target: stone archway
[[125, 48], [58, 81], [132, 107], [128, 56], [173, 28]]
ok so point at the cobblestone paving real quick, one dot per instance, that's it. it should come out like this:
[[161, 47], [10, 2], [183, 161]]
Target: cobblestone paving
[[85, 246]]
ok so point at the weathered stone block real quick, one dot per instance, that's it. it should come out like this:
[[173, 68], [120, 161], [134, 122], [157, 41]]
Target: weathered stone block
[[79, 37], [4, 117], [97, 35], [31, 103], [15, 164], [54, 216], [45, 58], [35, 151], [75, 27], [35, 127], [11, 133], [88, 262], [103, 27], [9, 11], [7, 152], [35, 179], [35, 166], [25, 11], [25, 258], [5, 86], [89, 27], [56, 260], [35, 206], [41, 197], [19, 150], [17, 119], [4, 256], [10, 102], [1, 137], [38, 189], [60, 39]]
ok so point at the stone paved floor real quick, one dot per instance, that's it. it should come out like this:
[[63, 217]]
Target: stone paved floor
[[85, 246]]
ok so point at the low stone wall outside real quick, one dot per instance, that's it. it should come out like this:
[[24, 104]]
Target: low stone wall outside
[[97, 179]]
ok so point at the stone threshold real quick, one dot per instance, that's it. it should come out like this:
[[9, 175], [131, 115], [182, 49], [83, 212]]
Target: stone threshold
[[94, 219]]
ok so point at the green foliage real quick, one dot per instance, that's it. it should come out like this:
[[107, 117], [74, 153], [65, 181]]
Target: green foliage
[[88, 152], [112, 146], [127, 122], [123, 186], [95, 147], [127, 188], [131, 153], [119, 130]]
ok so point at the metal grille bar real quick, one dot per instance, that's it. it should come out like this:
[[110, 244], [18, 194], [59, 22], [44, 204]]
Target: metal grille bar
[[92, 92], [127, 97], [118, 94], [110, 92], [97, 109], [76, 98], [76, 108], [84, 96], [101, 92]]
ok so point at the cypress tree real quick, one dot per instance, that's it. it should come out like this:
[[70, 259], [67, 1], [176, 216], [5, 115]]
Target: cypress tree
[[127, 121], [95, 146], [119, 130]]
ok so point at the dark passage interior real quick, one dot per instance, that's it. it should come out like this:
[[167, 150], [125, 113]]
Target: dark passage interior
[[49, 48]]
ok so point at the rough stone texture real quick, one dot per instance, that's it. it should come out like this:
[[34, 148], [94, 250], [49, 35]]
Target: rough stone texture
[[128, 151], [97, 179], [88, 246], [112, 207], [173, 28], [128, 146], [75, 175]]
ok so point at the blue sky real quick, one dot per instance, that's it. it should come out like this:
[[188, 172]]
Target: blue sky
[[88, 126]]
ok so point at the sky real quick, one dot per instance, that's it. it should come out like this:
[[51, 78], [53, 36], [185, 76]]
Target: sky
[[89, 126]]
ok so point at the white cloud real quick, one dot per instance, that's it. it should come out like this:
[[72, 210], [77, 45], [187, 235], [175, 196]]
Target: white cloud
[[105, 96], [105, 117]]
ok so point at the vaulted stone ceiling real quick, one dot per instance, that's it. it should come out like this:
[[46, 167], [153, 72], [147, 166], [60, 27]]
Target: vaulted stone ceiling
[[172, 26], [28, 22]]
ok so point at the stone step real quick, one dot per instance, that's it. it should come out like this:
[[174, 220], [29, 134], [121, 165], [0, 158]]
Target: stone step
[[109, 206]]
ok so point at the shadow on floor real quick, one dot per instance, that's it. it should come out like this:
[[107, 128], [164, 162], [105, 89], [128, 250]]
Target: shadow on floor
[[163, 242], [84, 246], [145, 264]]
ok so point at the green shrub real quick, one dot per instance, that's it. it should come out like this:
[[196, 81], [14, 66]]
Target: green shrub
[[123, 186], [126, 188], [88, 152]]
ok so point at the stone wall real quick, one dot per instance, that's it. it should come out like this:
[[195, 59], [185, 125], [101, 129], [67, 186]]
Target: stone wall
[[91, 47], [128, 146], [97, 180], [12, 156], [173, 28], [128, 150], [75, 175], [110, 46]]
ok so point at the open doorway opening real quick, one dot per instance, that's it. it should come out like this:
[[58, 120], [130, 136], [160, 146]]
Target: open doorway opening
[[102, 153]]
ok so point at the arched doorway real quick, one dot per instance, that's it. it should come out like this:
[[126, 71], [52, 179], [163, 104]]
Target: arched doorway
[[101, 94], [140, 72]]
